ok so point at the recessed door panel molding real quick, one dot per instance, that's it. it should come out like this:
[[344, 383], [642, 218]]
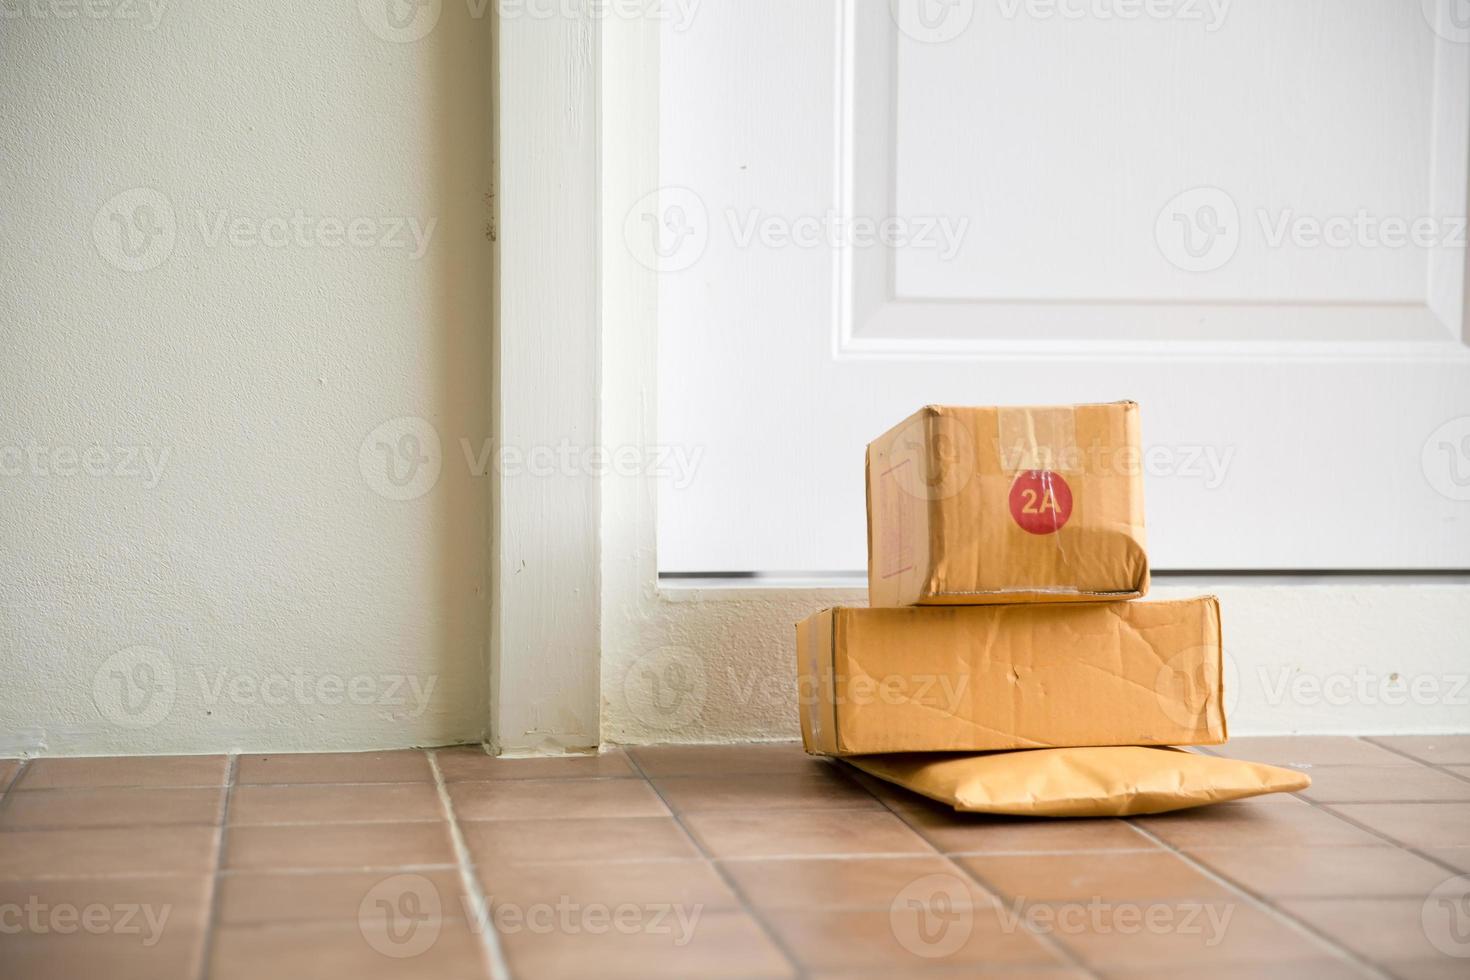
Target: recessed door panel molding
[[1164, 188]]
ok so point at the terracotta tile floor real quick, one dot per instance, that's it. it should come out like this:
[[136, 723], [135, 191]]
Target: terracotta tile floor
[[741, 861]]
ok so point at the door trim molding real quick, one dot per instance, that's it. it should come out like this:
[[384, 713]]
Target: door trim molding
[[545, 568]]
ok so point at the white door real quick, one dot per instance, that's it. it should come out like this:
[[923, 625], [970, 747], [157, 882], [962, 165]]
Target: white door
[[1247, 215]]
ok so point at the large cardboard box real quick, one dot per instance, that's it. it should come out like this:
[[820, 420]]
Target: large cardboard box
[[991, 505], [984, 678]]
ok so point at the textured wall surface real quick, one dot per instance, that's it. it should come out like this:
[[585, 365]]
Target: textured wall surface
[[244, 349]]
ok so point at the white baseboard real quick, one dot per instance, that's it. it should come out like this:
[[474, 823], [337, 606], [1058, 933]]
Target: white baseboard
[[1357, 655], [1305, 655]]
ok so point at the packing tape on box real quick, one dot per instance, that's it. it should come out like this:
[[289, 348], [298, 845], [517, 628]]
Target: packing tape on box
[[1037, 438], [814, 699]]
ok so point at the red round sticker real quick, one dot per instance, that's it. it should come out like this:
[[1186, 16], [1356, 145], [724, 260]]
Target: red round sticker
[[1041, 501]]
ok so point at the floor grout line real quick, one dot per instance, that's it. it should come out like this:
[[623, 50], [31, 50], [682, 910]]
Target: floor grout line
[[211, 924], [1264, 904], [328, 872], [1423, 855], [245, 785], [1437, 766], [1380, 802], [484, 925], [67, 828], [1050, 943], [1328, 807], [1218, 752], [746, 905], [10, 789], [1392, 841], [310, 784], [845, 856]]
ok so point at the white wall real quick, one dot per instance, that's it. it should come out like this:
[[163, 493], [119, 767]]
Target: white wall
[[200, 545]]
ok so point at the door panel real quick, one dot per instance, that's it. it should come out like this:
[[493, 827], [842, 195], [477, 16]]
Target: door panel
[[1251, 223]]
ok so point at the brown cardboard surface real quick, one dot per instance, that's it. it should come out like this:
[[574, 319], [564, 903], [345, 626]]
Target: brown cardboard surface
[[985, 678], [1111, 781], [993, 505]]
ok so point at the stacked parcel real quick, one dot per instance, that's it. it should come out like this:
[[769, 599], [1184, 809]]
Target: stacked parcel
[[1004, 548]]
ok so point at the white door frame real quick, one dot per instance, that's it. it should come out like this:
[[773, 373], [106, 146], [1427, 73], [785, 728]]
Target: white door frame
[[587, 646], [545, 645]]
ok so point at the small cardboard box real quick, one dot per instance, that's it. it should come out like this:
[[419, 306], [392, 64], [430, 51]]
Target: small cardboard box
[[968, 506], [987, 678]]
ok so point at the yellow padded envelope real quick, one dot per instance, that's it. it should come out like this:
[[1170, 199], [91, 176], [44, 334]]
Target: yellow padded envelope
[[1110, 781]]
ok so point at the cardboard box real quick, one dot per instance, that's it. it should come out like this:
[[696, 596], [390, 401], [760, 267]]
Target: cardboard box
[[968, 506], [985, 678]]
